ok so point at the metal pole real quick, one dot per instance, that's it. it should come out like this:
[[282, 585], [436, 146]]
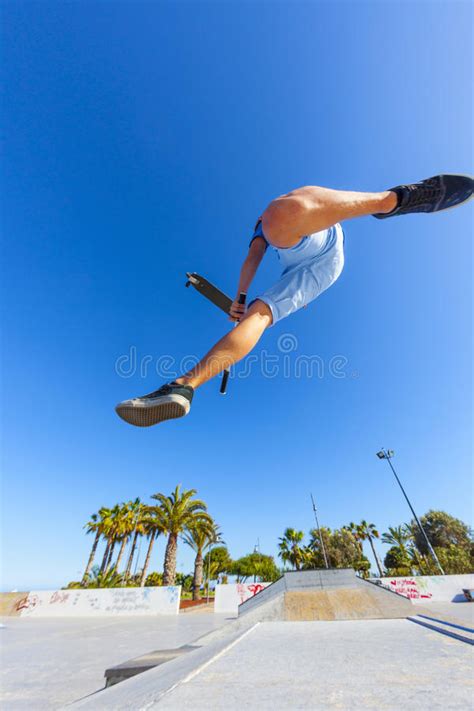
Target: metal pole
[[256, 549], [388, 457], [320, 534]]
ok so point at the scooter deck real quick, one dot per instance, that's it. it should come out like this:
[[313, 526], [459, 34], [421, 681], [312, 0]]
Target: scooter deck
[[211, 292]]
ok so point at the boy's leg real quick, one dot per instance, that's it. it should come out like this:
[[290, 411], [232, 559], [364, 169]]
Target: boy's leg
[[234, 346], [174, 399], [312, 209]]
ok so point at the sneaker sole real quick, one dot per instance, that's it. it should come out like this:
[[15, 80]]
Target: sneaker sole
[[169, 408]]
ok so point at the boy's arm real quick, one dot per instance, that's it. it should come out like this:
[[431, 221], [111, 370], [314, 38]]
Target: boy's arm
[[247, 273]]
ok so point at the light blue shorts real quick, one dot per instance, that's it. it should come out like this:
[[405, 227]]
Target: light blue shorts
[[311, 267]]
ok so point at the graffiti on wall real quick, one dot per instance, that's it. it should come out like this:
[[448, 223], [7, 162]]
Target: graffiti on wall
[[245, 592], [26, 603], [430, 588], [230, 595], [411, 588], [110, 601]]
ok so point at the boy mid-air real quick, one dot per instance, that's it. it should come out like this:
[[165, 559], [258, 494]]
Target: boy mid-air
[[303, 227]]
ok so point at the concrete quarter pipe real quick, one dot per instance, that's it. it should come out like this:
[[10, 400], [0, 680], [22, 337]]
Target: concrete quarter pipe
[[337, 594]]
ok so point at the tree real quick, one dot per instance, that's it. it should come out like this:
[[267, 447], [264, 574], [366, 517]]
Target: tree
[[220, 558], [353, 528], [397, 561], [399, 558], [455, 560], [256, 565], [367, 532], [154, 579], [176, 513], [185, 580], [314, 556], [106, 524], [125, 526], [442, 530], [137, 510], [343, 550], [290, 548], [397, 536], [107, 579], [199, 536], [115, 532], [152, 528], [92, 526]]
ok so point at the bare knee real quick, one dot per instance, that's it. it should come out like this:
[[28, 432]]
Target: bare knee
[[282, 219], [261, 314]]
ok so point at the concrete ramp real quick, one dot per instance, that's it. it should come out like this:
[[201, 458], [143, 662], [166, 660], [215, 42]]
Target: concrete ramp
[[337, 594]]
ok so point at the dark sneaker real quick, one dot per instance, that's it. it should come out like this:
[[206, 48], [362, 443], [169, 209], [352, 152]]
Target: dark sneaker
[[167, 403], [431, 195]]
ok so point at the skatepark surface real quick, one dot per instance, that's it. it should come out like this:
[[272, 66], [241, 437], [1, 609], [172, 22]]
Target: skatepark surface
[[379, 664], [312, 640], [355, 664], [49, 662]]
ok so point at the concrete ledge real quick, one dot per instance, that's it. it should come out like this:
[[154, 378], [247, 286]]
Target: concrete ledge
[[143, 663], [144, 690]]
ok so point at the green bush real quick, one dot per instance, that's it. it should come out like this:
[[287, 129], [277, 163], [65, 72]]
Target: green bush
[[154, 579]]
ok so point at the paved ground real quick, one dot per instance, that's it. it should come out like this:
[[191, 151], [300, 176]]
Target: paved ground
[[461, 612], [46, 663], [352, 665], [376, 664]]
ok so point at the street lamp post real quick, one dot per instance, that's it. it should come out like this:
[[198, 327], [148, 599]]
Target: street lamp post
[[320, 534], [388, 454]]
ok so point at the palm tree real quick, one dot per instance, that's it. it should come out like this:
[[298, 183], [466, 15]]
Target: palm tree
[[152, 528], [114, 532], [105, 557], [211, 572], [176, 513], [138, 510], [353, 529], [290, 549], [107, 579], [125, 527], [314, 557], [367, 532], [92, 526], [200, 536], [106, 525], [397, 536]]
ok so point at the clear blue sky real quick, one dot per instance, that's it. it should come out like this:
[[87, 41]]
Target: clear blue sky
[[142, 141]]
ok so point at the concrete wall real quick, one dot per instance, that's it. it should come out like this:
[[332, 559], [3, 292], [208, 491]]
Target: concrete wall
[[100, 602], [430, 588], [230, 596], [9, 603]]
